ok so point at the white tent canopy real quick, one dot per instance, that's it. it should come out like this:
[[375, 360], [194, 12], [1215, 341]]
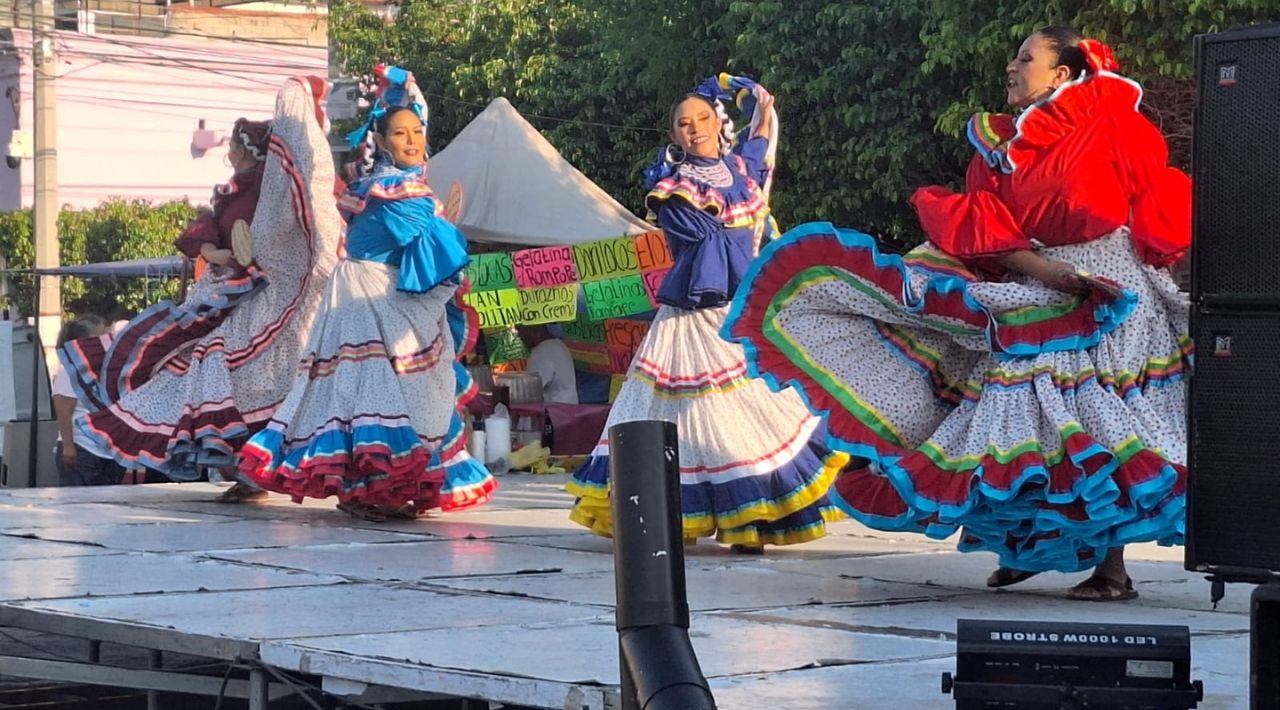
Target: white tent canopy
[[519, 190]]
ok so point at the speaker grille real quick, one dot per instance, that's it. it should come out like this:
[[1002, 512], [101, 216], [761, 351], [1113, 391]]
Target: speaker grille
[[1237, 167], [1234, 496]]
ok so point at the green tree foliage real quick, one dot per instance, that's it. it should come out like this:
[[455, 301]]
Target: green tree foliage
[[857, 112], [857, 107], [113, 231]]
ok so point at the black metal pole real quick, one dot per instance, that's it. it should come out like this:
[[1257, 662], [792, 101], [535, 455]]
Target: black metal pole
[[658, 667], [1264, 647], [33, 436]]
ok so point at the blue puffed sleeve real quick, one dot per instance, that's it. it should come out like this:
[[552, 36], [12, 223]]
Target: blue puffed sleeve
[[754, 151], [709, 261], [432, 249]]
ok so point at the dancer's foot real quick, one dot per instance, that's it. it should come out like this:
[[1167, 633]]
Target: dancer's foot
[[241, 493], [1007, 576], [408, 511], [747, 549], [1098, 588], [1110, 581], [364, 512]]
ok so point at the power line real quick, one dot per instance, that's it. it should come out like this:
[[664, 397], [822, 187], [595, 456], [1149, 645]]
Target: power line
[[26, 14], [141, 53], [162, 104], [195, 65], [182, 62], [191, 63]]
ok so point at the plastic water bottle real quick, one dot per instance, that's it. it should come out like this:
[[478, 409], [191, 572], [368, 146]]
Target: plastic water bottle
[[497, 441], [476, 444]]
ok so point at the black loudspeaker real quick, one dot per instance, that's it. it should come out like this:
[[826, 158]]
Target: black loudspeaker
[[1233, 516], [1236, 168]]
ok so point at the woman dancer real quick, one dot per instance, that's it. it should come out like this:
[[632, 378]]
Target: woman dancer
[[373, 416], [1021, 375], [184, 385], [753, 466]]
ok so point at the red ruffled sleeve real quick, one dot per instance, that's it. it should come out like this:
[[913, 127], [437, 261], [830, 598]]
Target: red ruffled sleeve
[[1160, 195], [203, 230], [974, 223]]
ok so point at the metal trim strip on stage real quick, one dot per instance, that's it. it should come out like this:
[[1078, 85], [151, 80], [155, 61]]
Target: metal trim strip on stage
[[516, 690], [127, 634], [293, 655], [138, 679]]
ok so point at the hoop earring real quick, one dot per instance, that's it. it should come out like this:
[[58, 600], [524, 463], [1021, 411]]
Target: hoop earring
[[675, 154]]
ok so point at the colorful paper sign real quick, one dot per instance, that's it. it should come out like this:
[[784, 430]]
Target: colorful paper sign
[[548, 266], [625, 332], [652, 252], [620, 359], [548, 305], [615, 386], [584, 330], [491, 272], [497, 309], [653, 283], [612, 298], [619, 277], [504, 346], [605, 259]]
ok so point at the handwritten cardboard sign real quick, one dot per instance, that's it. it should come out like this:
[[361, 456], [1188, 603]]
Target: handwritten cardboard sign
[[605, 259], [549, 305], [651, 251], [620, 359], [653, 283], [622, 296], [548, 266], [497, 309], [625, 332], [584, 330], [491, 272]]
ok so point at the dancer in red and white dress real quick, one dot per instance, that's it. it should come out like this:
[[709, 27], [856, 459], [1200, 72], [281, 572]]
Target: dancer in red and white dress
[[1020, 378], [184, 385]]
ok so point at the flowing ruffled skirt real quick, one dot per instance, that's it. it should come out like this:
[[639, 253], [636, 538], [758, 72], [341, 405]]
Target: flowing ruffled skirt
[[754, 468], [184, 385], [1048, 427], [374, 413]]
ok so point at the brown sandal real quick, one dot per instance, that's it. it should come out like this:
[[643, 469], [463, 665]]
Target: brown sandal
[[364, 512], [240, 493], [1103, 589], [408, 511], [1007, 577]]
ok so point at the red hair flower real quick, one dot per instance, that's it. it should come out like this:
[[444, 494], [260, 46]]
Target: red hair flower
[[1099, 56]]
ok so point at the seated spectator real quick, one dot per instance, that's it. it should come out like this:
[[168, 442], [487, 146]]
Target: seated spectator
[[77, 465], [549, 358]]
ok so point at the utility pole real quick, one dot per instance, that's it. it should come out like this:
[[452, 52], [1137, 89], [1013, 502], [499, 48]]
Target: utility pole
[[45, 222]]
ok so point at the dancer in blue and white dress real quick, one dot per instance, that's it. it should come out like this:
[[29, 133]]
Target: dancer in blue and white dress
[[374, 414]]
